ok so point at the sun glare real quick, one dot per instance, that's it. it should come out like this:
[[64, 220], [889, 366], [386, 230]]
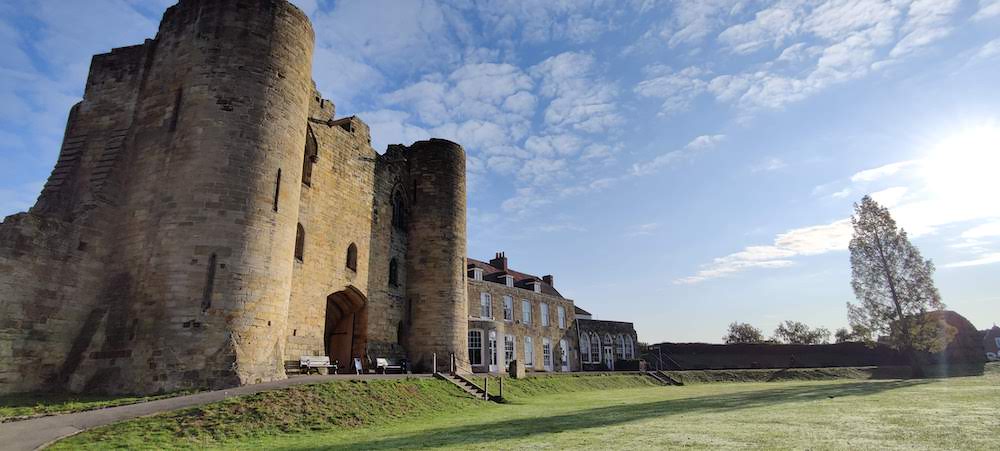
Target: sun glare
[[966, 163]]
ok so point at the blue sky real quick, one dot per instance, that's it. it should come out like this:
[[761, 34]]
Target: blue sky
[[678, 164]]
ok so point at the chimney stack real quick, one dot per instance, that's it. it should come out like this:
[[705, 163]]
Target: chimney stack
[[548, 279], [500, 261]]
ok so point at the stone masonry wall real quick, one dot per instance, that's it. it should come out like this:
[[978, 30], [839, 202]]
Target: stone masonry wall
[[519, 328], [335, 211], [435, 263]]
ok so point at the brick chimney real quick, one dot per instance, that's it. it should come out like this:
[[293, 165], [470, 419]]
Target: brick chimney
[[500, 261], [549, 280]]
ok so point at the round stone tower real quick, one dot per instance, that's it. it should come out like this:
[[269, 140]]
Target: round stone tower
[[216, 162], [436, 285]]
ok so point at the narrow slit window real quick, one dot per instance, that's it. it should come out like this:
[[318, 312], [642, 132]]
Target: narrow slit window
[[393, 273], [300, 242], [206, 297], [309, 157], [277, 190], [176, 113]]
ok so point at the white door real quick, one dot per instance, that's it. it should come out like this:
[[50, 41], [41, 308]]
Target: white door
[[493, 352], [564, 352], [609, 357]]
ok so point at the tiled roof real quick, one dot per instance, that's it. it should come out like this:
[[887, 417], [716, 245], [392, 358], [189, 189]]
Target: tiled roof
[[491, 273], [580, 311]]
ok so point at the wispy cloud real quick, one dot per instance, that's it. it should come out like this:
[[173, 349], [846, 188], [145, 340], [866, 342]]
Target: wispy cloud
[[771, 164], [987, 259], [643, 229], [871, 175], [696, 145], [805, 241]]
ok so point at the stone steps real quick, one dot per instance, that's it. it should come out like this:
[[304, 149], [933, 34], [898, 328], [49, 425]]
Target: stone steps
[[467, 386]]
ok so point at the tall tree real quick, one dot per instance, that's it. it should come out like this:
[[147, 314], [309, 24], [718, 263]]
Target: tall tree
[[743, 333], [854, 335], [796, 333], [893, 284]]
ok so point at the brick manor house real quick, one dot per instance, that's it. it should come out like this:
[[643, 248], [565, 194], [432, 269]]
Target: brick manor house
[[210, 220]]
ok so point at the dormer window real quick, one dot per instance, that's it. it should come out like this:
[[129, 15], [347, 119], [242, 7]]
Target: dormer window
[[508, 280], [536, 286], [476, 274]]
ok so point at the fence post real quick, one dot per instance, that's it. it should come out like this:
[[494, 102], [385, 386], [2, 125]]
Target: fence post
[[501, 387], [486, 388], [434, 359], [453, 363]]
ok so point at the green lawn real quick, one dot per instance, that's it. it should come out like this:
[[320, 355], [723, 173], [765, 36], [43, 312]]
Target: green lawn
[[840, 414]]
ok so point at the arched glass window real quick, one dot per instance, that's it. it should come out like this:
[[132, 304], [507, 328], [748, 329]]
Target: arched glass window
[[620, 348], [595, 348], [393, 273], [398, 210], [585, 348], [300, 242], [352, 257]]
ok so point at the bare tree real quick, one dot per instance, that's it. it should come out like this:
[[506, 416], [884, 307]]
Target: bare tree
[[796, 333], [743, 333], [893, 285]]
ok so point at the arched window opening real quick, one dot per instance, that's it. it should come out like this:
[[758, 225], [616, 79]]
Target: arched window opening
[[300, 242], [620, 348], [595, 348], [393, 273], [585, 348], [352, 257], [309, 157], [398, 210], [629, 348]]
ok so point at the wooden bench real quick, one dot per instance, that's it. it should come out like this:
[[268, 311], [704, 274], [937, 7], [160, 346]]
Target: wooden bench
[[383, 365], [310, 363]]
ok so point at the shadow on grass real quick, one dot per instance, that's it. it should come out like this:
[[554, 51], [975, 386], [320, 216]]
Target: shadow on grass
[[605, 416]]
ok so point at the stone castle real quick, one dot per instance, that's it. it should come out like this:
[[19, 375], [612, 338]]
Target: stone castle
[[209, 219]]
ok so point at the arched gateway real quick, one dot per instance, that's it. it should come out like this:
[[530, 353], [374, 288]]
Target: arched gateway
[[345, 334]]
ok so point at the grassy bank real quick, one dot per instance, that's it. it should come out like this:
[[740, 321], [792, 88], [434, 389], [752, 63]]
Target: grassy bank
[[567, 412], [339, 405], [817, 374], [27, 405], [517, 390]]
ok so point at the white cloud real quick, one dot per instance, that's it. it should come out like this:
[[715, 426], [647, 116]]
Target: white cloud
[[989, 50], [698, 144], [890, 197], [770, 27], [643, 229], [677, 89], [580, 99], [852, 39], [987, 259], [871, 175], [771, 164], [990, 229], [805, 241], [692, 21], [987, 9]]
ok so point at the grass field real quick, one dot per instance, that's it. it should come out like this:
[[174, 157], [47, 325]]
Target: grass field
[[573, 412]]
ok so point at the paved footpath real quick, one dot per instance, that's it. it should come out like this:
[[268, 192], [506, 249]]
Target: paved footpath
[[29, 435]]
